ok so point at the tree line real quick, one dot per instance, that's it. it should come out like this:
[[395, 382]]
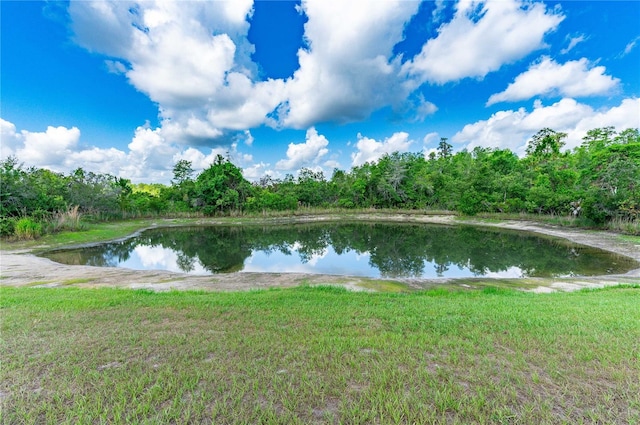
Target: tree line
[[598, 182]]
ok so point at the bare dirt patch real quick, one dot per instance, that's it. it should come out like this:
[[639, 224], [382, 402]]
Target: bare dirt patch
[[23, 268]]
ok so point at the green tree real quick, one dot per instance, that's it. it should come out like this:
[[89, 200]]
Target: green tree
[[611, 181], [628, 136], [222, 188], [182, 172], [545, 143], [312, 188], [444, 148], [12, 187], [598, 138]]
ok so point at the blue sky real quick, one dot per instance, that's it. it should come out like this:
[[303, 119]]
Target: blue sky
[[130, 88]]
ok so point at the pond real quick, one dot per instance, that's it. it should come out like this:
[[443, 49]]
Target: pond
[[354, 249]]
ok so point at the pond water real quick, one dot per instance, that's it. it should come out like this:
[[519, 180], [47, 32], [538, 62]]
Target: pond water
[[355, 249]]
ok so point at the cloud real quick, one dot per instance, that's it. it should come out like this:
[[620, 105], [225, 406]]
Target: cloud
[[115, 67], [244, 104], [258, 170], [331, 164], [423, 109], [190, 129], [348, 70], [192, 58], [103, 27], [431, 138], [481, 38], [305, 154], [106, 161], [148, 151], [548, 78], [116, 27], [630, 46], [626, 115], [48, 147], [10, 139], [150, 156], [197, 158], [58, 149], [415, 108], [180, 69], [248, 138], [438, 12], [512, 129], [573, 42], [369, 150]]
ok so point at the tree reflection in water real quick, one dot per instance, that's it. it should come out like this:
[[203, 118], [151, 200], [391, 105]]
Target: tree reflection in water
[[394, 250]]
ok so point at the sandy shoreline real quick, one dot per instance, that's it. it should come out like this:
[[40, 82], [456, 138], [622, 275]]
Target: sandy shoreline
[[23, 268]]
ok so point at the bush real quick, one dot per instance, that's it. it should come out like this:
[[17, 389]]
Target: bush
[[470, 203], [346, 203], [7, 226], [26, 228]]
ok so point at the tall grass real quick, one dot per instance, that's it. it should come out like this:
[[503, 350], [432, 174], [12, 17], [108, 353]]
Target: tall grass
[[66, 220], [624, 225], [102, 216], [303, 211], [27, 228]]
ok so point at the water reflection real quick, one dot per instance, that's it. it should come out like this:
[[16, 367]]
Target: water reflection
[[146, 257], [374, 250]]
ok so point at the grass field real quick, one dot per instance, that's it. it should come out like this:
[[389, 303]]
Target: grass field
[[319, 355]]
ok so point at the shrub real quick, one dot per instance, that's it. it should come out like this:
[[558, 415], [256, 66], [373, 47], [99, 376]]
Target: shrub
[[7, 226], [26, 228], [346, 203], [470, 203]]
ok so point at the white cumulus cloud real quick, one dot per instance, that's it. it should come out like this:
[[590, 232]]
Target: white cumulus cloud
[[370, 150], [149, 156], [305, 154], [49, 147], [58, 149], [10, 140], [256, 171], [481, 37], [192, 58], [547, 78], [511, 129], [348, 69]]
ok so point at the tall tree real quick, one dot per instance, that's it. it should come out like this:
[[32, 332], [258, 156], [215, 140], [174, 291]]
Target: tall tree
[[545, 143], [222, 188], [182, 172], [444, 148]]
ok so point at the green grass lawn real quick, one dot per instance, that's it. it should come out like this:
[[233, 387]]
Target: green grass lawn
[[319, 355]]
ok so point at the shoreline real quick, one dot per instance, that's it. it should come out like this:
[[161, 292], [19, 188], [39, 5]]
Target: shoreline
[[21, 267]]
